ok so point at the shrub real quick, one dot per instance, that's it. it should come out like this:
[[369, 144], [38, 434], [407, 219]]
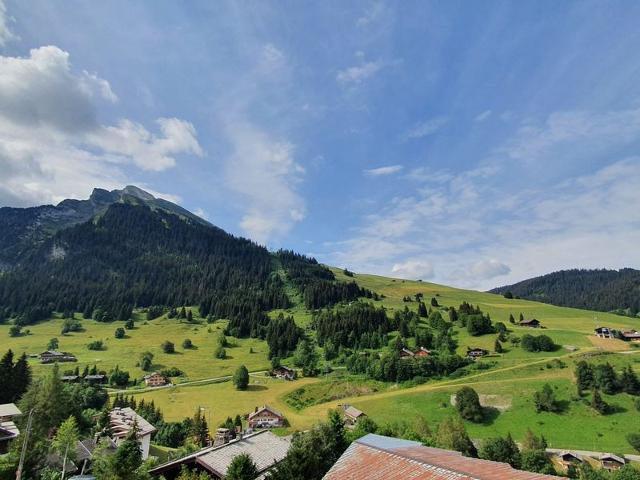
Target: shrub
[[168, 347], [220, 353], [241, 378], [545, 400], [119, 332], [634, 440], [96, 345], [146, 361], [468, 404], [187, 344], [53, 344], [172, 372], [15, 331], [541, 343]]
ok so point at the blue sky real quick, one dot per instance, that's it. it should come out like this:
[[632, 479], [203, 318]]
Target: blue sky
[[467, 143]]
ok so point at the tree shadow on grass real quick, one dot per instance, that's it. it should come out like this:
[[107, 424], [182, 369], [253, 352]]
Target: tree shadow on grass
[[489, 415], [256, 388]]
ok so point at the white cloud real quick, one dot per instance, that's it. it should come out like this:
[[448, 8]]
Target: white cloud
[[52, 145], [5, 33], [381, 171], [483, 116], [371, 15], [425, 128], [263, 172], [413, 270], [487, 269], [359, 73]]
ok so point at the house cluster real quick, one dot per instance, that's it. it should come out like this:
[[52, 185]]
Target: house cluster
[[265, 449], [629, 335], [421, 352], [52, 356], [155, 379], [606, 461], [284, 373], [8, 430]]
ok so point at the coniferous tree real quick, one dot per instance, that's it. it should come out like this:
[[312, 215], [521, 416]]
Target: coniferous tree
[[242, 467]]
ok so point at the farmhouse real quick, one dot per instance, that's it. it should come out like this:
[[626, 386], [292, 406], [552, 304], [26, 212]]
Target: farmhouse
[[51, 356], [533, 323], [569, 458], [155, 379], [122, 420], [611, 462], [99, 378], [632, 336], [375, 457], [265, 417], [603, 332], [283, 372], [8, 429], [352, 414], [264, 448], [476, 352]]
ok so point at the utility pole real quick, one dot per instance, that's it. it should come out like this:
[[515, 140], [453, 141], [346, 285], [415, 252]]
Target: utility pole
[[24, 445]]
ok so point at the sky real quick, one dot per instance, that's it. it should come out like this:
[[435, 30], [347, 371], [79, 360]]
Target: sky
[[473, 144]]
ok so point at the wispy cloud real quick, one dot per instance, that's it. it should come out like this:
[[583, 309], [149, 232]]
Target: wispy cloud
[[381, 171], [359, 73], [426, 128], [5, 33], [372, 14], [481, 117]]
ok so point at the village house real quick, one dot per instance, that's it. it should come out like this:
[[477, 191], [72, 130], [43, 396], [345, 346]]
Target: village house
[[51, 356], [533, 323], [264, 448], [99, 378], [8, 429], [376, 457], [70, 378], [265, 417], [611, 462], [631, 336], [603, 332], [122, 420], [474, 353], [155, 379], [352, 414], [284, 373]]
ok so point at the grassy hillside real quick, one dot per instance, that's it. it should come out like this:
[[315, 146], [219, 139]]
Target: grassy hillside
[[512, 377]]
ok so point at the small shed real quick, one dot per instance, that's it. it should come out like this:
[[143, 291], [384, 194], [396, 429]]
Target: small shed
[[611, 462], [352, 414], [533, 323]]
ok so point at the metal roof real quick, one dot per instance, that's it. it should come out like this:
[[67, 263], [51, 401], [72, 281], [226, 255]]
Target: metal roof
[[375, 457], [9, 410]]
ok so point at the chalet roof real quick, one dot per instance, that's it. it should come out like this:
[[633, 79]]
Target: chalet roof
[[633, 334], [266, 408], [611, 456], [265, 449], [123, 419], [527, 322], [374, 457], [69, 378], [283, 367], [8, 431], [353, 412], [567, 453], [154, 374], [407, 351], [9, 410], [95, 377], [86, 447]]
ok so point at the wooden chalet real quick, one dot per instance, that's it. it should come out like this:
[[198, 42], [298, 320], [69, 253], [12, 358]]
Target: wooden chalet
[[423, 352], [265, 417], [603, 332], [155, 379], [284, 373], [352, 414], [406, 353], [476, 352], [123, 420], [533, 323], [611, 462], [631, 336], [569, 458], [52, 356]]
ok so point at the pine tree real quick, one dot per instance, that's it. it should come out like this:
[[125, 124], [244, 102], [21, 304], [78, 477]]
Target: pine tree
[[597, 403], [498, 346], [242, 467]]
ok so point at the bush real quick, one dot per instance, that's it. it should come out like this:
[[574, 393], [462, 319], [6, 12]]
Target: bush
[[96, 345], [15, 331], [146, 361], [241, 378], [541, 343], [168, 347], [71, 325], [187, 344], [172, 372], [468, 404], [634, 440], [220, 353], [119, 332], [545, 400]]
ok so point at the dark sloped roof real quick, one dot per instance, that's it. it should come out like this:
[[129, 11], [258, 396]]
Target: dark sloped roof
[[374, 457]]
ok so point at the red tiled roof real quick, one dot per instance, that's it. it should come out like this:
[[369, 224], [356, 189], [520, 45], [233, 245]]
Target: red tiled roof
[[375, 457]]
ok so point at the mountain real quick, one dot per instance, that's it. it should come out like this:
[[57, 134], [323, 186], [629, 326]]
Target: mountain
[[126, 249], [21, 228], [602, 290]]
